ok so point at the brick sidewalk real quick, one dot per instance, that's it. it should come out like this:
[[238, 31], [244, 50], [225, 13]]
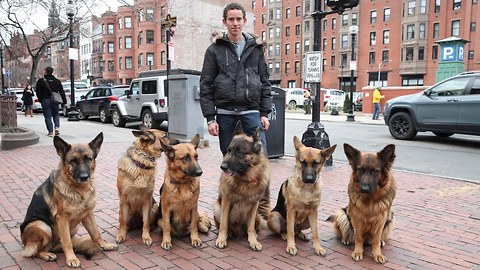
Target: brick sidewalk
[[437, 220]]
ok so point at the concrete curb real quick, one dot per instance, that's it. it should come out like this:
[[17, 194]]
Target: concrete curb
[[23, 138]]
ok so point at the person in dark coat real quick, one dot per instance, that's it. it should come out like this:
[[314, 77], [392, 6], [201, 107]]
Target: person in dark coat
[[50, 109], [27, 98]]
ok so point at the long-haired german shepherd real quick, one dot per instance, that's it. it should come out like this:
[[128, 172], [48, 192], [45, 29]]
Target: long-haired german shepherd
[[61, 203], [243, 184], [178, 212], [136, 182], [368, 217], [299, 198]]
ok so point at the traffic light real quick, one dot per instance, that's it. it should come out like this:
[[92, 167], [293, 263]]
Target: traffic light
[[341, 5]]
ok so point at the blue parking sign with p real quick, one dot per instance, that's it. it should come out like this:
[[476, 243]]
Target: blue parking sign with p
[[8, 73], [452, 53]]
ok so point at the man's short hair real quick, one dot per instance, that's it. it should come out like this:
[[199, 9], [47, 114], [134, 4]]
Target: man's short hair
[[49, 70], [233, 6]]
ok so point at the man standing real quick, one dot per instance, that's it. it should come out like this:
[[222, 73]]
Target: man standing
[[234, 81], [377, 96], [44, 88]]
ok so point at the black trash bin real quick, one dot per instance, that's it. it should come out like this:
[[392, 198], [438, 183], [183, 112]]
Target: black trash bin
[[276, 133]]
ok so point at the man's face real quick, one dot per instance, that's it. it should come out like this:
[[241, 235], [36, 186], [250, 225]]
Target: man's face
[[234, 22]]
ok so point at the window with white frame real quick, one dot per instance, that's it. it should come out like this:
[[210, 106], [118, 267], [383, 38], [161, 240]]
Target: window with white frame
[[306, 45], [410, 31], [373, 38], [421, 31], [436, 30], [386, 15], [386, 36], [287, 48], [373, 16], [128, 42], [411, 7], [128, 22], [456, 28], [423, 6], [457, 4]]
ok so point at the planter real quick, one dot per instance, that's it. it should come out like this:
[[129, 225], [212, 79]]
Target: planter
[[20, 138]]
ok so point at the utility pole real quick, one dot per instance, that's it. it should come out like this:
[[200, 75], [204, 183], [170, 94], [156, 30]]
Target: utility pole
[[1, 67]]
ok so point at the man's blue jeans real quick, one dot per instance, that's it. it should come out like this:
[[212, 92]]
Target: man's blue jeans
[[376, 110], [50, 110], [227, 124]]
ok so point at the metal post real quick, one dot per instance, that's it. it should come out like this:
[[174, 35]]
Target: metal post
[[72, 114], [169, 64], [1, 67], [350, 116]]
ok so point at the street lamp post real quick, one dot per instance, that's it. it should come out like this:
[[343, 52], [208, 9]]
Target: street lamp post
[[353, 65], [379, 65], [1, 70], [72, 114], [342, 66]]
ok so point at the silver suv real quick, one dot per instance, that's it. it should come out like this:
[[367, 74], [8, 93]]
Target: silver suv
[[450, 106]]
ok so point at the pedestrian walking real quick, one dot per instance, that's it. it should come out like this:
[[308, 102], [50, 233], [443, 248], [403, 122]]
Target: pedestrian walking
[[307, 103], [377, 96], [45, 87], [27, 99], [234, 81]]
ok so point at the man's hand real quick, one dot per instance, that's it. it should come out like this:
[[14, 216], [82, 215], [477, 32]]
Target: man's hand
[[264, 121], [213, 129]]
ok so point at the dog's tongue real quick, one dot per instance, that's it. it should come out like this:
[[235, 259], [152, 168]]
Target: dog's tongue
[[228, 173]]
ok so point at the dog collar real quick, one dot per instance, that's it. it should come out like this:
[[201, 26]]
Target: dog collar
[[141, 165]]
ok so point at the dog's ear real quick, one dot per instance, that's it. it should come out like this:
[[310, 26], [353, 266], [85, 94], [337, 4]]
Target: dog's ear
[[166, 143], [297, 143], [257, 141], [61, 146], [387, 155], [195, 140], [238, 128], [95, 144], [143, 127], [352, 154], [327, 152], [144, 135]]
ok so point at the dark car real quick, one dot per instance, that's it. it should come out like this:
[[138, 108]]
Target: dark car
[[97, 102], [451, 106]]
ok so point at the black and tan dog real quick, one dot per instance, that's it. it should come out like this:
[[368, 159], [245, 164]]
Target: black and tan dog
[[61, 203], [136, 182], [368, 217], [299, 198], [243, 185], [178, 211]]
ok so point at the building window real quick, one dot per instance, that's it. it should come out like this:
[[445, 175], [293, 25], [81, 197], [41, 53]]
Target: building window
[[386, 15], [324, 64], [437, 6], [128, 22], [150, 37], [278, 33], [373, 38], [409, 54], [306, 45], [473, 26], [287, 48], [474, 1], [287, 31], [297, 67], [344, 41], [270, 50], [270, 32], [111, 47], [277, 49], [277, 68], [150, 59], [287, 67], [344, 19], [307, 7], [270, 68], [264, 35], [120, 43], [343, 59], [110, 28], [457, 4], [436, 30], [111, 65], [120, 59], [456, 28], [412, 80], [128, 42], [334, 23], [325, 23], [297, 11], [421, 53], [410, 31], [150, 15], [421, 31], [278, 14], [270, 15], [332, 61], [297, 47], [324, 44], [163, 57], [140, 38], [423, 6], [385, 56], [264, 18], [334, 41], [119, 23], [411, 7], [128, 63], [254, 4], [140, 60], [371, 58], [287, 13], [386, 36], [354, 19], [163, 12], [373, 16], [297, 29], [435, 52], [306, 26], [470, 54]]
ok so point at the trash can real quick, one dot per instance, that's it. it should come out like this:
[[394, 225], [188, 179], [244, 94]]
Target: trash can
[[275, 135]]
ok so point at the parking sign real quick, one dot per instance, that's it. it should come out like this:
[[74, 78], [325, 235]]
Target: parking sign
[[8, 73], [313, 67]]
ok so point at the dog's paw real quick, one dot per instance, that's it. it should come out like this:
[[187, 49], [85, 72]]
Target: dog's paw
[[109, 247], [120, 238], [284, 236], [357, 256], [147, 240], [48, 256], [221, 243], [256, 246], [204, 226], [302, 236], [167, 245], [346, 242], [292, 250], [380, 258], [73, 262], [320, 251], [196, 242]]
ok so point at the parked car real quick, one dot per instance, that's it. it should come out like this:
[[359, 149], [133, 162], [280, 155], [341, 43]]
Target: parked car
[[96, 102], [294, 97], [450, 106], [333, 98], [18, 92]]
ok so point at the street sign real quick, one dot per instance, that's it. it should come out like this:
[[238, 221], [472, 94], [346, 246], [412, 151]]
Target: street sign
[[313, 67], [8, 73], [171, 51]]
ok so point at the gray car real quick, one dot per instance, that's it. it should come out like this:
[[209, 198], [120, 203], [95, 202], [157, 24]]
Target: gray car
[[450, 106]]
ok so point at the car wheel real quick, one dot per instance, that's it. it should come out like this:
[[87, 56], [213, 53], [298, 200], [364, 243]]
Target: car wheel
[[401, 126], [117, 118], [147, 119], [443, 134], [81, 115], [103, 115], [292, 104]]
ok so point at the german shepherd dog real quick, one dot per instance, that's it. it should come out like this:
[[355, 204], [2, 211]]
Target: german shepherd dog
[[61, 203], [178, 212], [243, 186], [136, 182], [299, 198], [368, 217]]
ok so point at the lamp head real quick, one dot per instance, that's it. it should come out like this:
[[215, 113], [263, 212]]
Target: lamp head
[[70, 9]]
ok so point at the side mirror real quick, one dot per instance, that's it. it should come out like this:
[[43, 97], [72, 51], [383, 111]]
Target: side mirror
[[127, 93], [82, 97]]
